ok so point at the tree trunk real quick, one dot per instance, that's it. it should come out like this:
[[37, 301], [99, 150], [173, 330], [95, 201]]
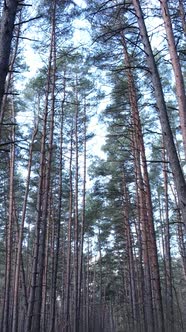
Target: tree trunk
[[141, 198], [179, 179], [87, 310], [9, 235], [19, 247], [179, 81], [83, 217], [35, 298], [57, 241], [182, 15], [181, 243], [148, 235], [168, 266], [69, 240], [6, 35], [76, 219], [46, 183], [126, 207], [49, 228], [10, 72]]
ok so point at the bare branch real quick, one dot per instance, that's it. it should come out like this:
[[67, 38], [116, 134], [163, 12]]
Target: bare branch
[[26, 21]]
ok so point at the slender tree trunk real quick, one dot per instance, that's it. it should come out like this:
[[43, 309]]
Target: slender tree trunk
[[181, 243], [19, 247], [47, 180], [99, 314], [134, 320], [83, 218], [93, 311], [35, 298], [49, 229], [168, 267], [179, 180], [179, 81], [10, 72], [87, 311], [146, 200], [153, 254], [6, 35], [57, 244], [9, 235], [76, 218], [182, 15], [180, 233], [146, 254], [141, 277], [69, 240], [143, 214]]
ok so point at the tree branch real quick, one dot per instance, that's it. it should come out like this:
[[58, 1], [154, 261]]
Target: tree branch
[[26, 21]]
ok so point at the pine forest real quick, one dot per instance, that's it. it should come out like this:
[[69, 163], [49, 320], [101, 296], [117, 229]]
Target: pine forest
[[92, 166]]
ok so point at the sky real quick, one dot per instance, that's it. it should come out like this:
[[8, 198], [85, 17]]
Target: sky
[[80, 3], [81, 37], [34, 61]]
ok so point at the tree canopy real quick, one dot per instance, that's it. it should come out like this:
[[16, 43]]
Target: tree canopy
[[92, 176]]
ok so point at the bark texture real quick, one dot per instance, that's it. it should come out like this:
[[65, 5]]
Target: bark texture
[[180, 88], [179, 179], [6, 35]]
